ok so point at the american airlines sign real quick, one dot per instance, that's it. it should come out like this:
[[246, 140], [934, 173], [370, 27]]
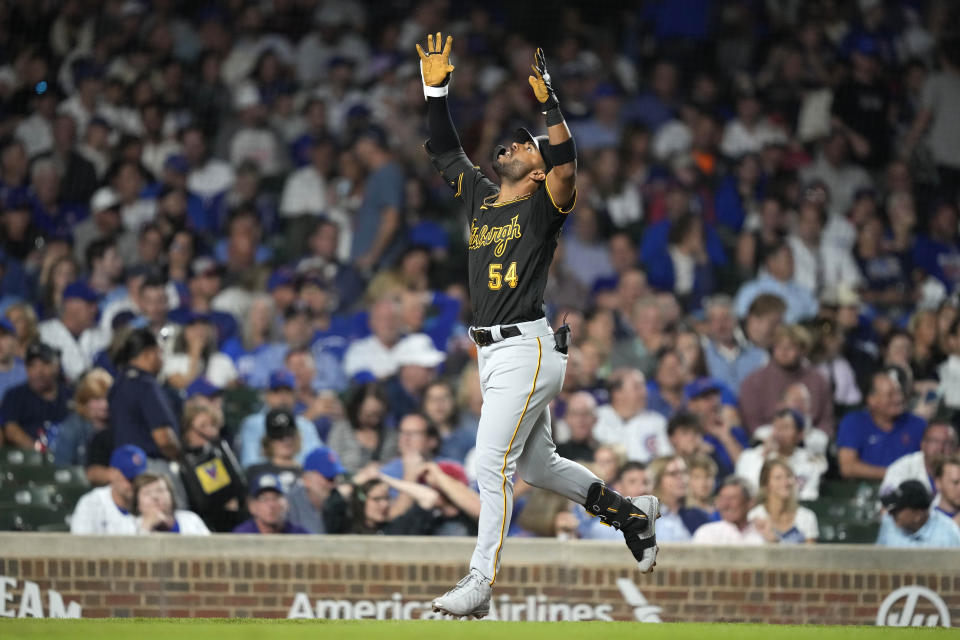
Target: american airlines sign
[[531, 608]]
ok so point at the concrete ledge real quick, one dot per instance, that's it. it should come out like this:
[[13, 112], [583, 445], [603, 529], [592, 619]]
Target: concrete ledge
[[429, 550]]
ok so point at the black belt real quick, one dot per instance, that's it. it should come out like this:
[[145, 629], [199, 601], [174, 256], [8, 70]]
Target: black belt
[[484, 337]]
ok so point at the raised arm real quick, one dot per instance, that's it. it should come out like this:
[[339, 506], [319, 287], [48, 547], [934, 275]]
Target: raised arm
[[435, 71], [561, 152]]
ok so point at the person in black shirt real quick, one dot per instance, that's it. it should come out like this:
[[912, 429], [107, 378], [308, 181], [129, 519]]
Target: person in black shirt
[[862, 107], [581, 416], [514, 228], [140, 411], [209, 470], [30, 409]]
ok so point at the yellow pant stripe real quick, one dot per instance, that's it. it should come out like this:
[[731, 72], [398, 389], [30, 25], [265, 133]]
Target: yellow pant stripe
[[503, 469]]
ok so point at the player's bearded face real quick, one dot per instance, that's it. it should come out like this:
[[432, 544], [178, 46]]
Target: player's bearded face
[[514, 162]]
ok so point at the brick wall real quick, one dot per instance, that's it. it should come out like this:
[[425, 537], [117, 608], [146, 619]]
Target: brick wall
[[229, 576]]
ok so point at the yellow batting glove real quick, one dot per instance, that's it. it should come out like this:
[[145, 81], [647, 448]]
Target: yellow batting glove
[[435, 67]]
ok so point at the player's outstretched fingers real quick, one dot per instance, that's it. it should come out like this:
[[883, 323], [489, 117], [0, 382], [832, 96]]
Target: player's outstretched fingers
[[447, 47], [437, 42], [423, 56]]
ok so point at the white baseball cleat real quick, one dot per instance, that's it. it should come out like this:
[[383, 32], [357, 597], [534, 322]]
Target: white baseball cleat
[[469, 599], [644, 545]]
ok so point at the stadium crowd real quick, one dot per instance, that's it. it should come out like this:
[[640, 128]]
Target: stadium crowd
[[223, 204]]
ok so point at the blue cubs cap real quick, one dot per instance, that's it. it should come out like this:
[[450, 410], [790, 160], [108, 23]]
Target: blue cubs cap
[[700, 387], [324, 461], [80, 290], [6, 325], [130, 460], [203, 387], [280, 278], [281, 379], [266, 482], [194, 317], [793, 414], [177, 163]]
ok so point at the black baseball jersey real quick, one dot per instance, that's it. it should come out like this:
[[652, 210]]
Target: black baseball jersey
[[511, 243]]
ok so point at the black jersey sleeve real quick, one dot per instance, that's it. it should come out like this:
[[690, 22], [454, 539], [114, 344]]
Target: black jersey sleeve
[[467, 181]]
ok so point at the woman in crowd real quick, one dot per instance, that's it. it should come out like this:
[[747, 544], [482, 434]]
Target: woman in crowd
[[688, 345], [607, 460], [440, 408], [209, 470], [364, 437], [703, 482], [671, 480], [53, 280], [777, 515], [153, 508], [24, 320], [927, 355], [88, 415]]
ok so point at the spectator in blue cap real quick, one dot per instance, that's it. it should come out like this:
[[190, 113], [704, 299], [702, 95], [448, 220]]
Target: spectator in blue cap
[[279, 395], [106, 510], [269, 507], [30, 408], [317, 485], [12, 371], [75, 333], [721, 428]]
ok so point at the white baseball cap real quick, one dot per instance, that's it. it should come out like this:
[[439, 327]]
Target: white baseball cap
[[104, 198], [417, 349], [246, 95]]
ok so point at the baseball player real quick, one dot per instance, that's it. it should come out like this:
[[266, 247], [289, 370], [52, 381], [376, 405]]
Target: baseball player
[[514, 227]]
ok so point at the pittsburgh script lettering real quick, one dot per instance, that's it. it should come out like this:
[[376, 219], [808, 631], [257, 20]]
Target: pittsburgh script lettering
[[486, 236]]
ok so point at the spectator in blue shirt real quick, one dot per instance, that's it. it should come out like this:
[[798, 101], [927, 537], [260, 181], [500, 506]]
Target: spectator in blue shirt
[[777, 278], [12, 371], [254, 427], [729, 356], [720, 429], [377, 221], [257, 365], [938, 252], [658, 105], [909, 522], [869, 441]]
